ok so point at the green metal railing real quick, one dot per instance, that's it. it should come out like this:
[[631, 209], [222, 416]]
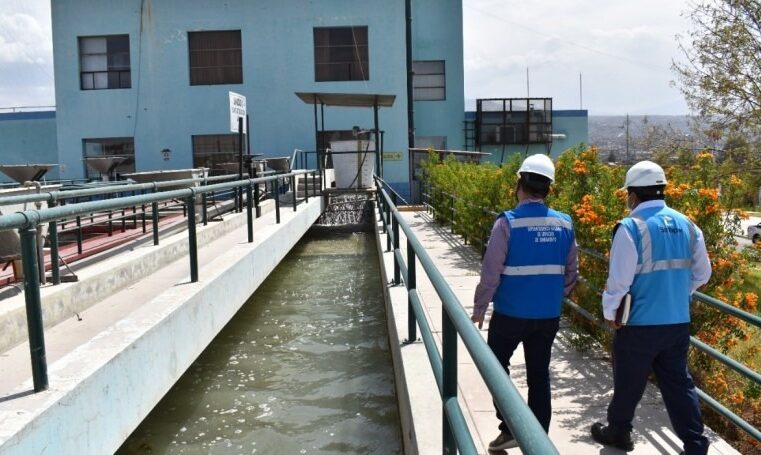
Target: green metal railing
[[27, 222], [529, 434], [60, 197], [706, 299]]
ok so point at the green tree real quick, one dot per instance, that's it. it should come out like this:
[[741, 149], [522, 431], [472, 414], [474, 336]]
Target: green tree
[[721, 78]]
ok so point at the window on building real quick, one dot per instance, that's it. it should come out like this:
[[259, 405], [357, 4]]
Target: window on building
[[215, 57], [109, 147], [429, 80], [435, 142], [104, 62], [218, 152], [341, 54]]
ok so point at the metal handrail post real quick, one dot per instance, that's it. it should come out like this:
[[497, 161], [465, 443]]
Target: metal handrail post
[[155, 221], [192, 240], [204, 210], [388, 218], [395, 230], [306, 188], [79, 235], [292, 181], [411, 285], [33, 302], [449, 386], [53, 236], [276, 184], [250, 212]]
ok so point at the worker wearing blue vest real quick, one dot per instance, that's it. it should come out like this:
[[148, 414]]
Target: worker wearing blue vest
[[530, 264], [659, 258]]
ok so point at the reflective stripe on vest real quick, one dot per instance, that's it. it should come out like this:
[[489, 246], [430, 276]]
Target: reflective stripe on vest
[[646, 245], [524, 270]]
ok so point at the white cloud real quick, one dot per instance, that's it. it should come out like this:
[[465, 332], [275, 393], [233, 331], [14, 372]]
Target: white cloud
[[623, 49], [24, 40]]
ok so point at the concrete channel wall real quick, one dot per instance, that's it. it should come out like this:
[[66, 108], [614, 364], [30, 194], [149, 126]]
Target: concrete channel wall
[[104, 388], [96, 283]]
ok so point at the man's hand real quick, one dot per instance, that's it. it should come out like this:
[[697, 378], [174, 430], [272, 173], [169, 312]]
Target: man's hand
[[613, 324], [479, 320]]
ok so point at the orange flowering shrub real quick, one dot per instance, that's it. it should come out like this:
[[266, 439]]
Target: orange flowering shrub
[[589, 191]]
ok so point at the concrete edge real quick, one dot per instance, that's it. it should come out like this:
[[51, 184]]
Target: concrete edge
[[99, 393], [404, 409], [65, 300]]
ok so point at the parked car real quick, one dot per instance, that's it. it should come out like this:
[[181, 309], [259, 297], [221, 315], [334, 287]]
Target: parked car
[[754, 233]]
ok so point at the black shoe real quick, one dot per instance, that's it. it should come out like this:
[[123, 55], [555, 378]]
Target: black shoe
[[604, 435], [504, 441]]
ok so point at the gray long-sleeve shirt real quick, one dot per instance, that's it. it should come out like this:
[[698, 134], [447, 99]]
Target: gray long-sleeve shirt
[[494, 263]]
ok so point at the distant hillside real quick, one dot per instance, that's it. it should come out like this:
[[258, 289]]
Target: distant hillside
[[607, 132]]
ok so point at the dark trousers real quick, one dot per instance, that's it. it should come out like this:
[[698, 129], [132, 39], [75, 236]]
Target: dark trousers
[[537, 335], [638, 350]]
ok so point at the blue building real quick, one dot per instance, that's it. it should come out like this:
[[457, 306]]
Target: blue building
[[150, 79], [28, 137]]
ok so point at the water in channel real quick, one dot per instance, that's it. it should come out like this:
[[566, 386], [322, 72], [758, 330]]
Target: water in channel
[[302, 368]]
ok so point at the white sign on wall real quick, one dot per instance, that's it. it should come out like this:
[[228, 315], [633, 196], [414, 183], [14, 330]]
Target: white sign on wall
[[237, 110]]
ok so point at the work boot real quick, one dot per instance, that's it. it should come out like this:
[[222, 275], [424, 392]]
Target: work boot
[[504, 441], [604, 435]]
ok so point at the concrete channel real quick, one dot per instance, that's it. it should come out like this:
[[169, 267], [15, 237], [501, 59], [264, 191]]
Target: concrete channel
[[109, 363]]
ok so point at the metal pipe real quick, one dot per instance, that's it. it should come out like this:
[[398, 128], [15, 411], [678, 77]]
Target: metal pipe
[[410, 75], [28, 237], [395, 230], [34, 217]]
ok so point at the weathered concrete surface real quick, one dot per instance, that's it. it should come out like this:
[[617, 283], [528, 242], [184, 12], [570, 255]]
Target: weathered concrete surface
[[581, 383], [98, 282], [137, 346]]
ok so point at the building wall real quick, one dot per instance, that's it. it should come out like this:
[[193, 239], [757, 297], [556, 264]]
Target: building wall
[[162, 110], [437, 35], [28, 138]]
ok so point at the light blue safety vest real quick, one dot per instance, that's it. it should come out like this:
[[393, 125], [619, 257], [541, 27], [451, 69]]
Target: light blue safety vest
[[665, 240], [531, 285]]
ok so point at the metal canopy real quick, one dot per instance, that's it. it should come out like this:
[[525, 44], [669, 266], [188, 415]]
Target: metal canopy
[[347, 99]]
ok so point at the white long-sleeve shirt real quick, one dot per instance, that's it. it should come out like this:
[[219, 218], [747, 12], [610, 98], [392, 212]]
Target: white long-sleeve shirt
[[623, 262]]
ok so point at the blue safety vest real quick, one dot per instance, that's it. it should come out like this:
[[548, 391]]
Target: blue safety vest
[[660, 292], [531, 285]]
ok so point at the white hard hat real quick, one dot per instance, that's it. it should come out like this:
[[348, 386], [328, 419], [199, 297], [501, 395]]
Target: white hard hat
[[538, 164], [645, 173]]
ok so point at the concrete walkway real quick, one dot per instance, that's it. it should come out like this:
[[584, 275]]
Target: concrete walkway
[[581, 383]]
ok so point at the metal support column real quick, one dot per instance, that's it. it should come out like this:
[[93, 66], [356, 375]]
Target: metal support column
[[411, 286], [34, 308], [250, 212], [449, 386]]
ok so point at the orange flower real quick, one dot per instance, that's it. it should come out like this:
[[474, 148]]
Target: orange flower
[[712, 193], [580, 167]]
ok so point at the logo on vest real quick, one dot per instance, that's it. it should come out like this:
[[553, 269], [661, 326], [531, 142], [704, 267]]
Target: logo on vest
[[668, 225]]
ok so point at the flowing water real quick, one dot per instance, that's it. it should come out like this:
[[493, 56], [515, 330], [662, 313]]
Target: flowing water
[[303, 367]]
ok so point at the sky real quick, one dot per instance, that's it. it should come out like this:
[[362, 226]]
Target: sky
[[623, 50]]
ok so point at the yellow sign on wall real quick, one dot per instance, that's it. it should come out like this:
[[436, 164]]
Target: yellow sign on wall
[[392, 156]]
